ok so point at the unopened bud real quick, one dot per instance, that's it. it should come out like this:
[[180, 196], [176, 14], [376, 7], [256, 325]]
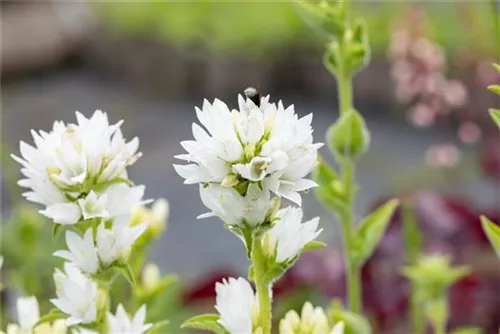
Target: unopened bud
[[230, 181], [348, 137], [249, 151], [150, 276]]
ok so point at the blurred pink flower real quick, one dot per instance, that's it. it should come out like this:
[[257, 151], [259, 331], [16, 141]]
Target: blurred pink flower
[[443, 155]]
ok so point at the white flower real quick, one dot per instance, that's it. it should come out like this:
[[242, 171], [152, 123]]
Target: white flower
[[63, 213], [93, 206], [76, 295], [123, 199], [311, 321], [28, 314], [121, 323], [115, 243], [82, 252], [117, 199], [237, 305], [257, 143], [82, 330], [338, 328], [71, 159], [232, 208], [289, 235]]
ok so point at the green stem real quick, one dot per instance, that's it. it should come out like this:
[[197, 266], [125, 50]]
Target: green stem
[[438, 315], [262, 286], [412, 241], [496, 24], [353, 270]]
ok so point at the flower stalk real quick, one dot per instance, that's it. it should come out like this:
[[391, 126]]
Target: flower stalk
[[262, 286]]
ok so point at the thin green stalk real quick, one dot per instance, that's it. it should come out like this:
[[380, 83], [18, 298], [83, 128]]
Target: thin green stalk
[[412, 241], [353, 271], [496, 23], [263, 288], [438, 315]]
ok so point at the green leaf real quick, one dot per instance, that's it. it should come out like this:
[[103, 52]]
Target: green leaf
[[497, 67], [495, 114], [206, 322], [158, 325], [495, 89], [313, 245], [56, 229], [127, 272], [371, 230], [492, 231], [323, 174], [54, 314], [330, 200], [467, 330]]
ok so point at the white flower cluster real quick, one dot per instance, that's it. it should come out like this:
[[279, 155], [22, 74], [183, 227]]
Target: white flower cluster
[[262, 142], [245, 160], [312, 320], [246, 156], [78, 171], [28, 314], [238, 309]]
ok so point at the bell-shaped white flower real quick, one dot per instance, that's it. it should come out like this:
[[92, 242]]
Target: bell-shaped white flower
[[76, 295], [311, 321], [94, 206], [263, 142], [232, 208], [122, 323], [289, 235], [115, 243], [63, 213], [28, 314], [82, 252], [237, 305], [71, 160], [338, 328]]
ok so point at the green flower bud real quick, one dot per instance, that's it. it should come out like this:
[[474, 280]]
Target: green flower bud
[[230, 180], [348, 137]]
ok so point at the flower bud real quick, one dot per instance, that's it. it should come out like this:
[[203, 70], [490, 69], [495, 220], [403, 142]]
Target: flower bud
[[150, 276], [348, 137], [230, 180]]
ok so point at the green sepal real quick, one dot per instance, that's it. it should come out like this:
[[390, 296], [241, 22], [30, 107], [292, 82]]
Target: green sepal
[[275, 272], [371, 229], [492, 231], [358, 47], [495, 115], [313, 245], [56, 230], [251, 273], [126, 271], [157, 325], [54, 314], [325, 17], [105, 185], [206, 322]]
